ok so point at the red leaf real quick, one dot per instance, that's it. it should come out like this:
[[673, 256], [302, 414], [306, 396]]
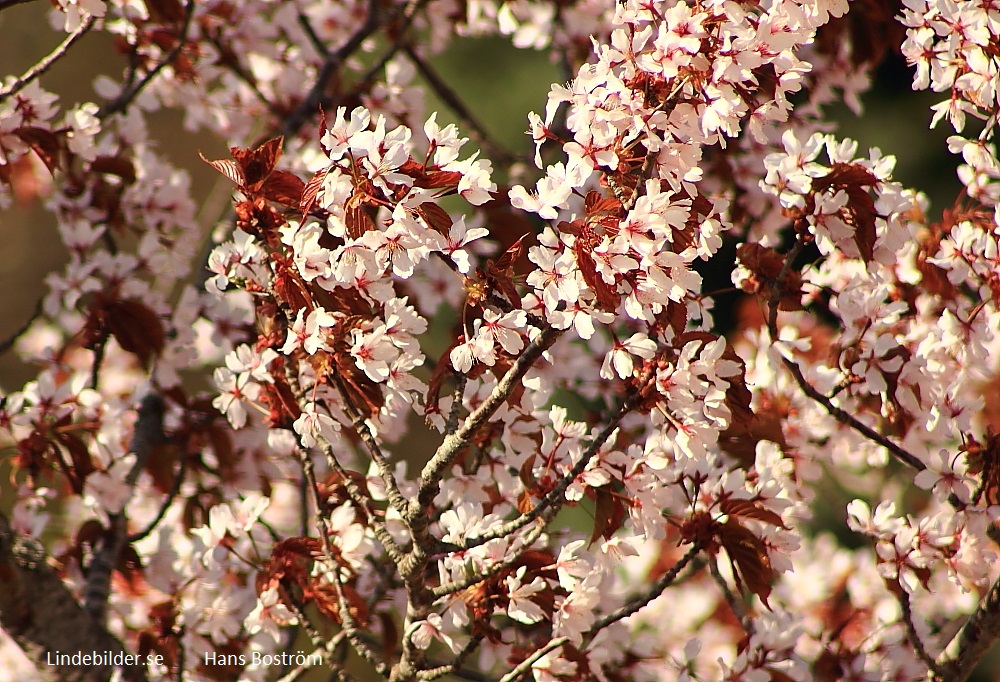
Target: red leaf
[[43, 142], [512, 253], [115, 165], [323, 129], [311, 190], [751, 564], [83, 464], [257, 164], [607, 298], [609, 513], [436, 217], [750, 509], [526, 474], [854, 180], [227, 167], [597, 204], [766, 265], [501, 279], [284, 188], [357, 219], [136, 327]]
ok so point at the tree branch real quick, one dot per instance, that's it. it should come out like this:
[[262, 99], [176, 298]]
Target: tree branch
[[524, 665], [841, 415], [314, 98], [443, 90], [347, 621], [652, 593], [9, 342], [46, 62], [911, 631], [148, 433], [430, 476], [44, 619], [972, 642], [126, 96], [556, 494]]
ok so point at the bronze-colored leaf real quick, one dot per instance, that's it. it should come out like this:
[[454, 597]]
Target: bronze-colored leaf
[[284, 188], [607, 297], [136, 327], [229, 168], [257, 164], [43, 142], [854, 179], [436, 217], [311, 190], [115, 165], [750, 509], [748, 554]]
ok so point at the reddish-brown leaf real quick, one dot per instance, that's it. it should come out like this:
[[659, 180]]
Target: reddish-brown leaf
[[766, 266], [229, 168], [165, 11], [750, 509], [748, 554], [430, 178], [136, 327], [357, 218], [115, 165], [436, 217], [284, 188], [854, 180], [596, 204], [257, 164], [513, 252], [311, 190], [500, 278], [83, 464], [43, 142], [524, 502], [322, 130], [607, 298], [526, 474], [609, 513]]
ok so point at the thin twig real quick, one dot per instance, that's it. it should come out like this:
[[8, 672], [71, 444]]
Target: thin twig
[[526, 664], [324, 647], [486, 573], [430, 476], [460, 658], [318, 45], [347, 621], [171, 496], [353, 490], [652, 593], [554, 496], [447, 95], [314, 98], [46, 62], [126, 96], [734, 605], [9, 342], [911, 631], [385, 470], [841, 415], [973, 641]]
